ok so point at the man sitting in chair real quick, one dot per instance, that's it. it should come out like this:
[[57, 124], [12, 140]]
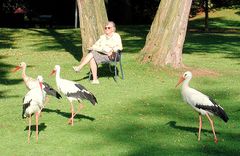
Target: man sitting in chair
[[102, 51]]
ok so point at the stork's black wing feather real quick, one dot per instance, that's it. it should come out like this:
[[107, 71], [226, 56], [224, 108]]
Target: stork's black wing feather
[[50, 91], [81, 87], [215, 109], [25, 106], [83, 93], [77, 95]]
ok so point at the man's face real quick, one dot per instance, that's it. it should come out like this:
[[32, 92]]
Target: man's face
[[108, 29]]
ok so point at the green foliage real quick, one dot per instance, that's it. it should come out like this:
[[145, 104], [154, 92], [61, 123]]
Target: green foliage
[[141, 115], [8, 6], [198, 6], [224, 3]]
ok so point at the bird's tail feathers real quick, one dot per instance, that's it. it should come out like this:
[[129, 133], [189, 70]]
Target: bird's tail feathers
[[58, 95], [25, 106], [216, 110], [222, 114], [219, 111], [52, 92], [91, 98], [80, 95]]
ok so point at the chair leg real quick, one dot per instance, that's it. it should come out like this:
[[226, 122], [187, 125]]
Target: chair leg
[[90, 75], [120, 62], [115, 71], [110, 67]]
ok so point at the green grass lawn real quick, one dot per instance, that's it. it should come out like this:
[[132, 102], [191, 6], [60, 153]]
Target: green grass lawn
[[218, 19], [141, 115]]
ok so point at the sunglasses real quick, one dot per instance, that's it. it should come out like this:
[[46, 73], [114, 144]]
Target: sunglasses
[[108, 28]]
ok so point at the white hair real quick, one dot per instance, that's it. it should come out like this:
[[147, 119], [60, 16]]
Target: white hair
[[113, 25]]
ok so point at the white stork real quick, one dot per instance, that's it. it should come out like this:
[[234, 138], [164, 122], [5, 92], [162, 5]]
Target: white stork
[[29, 81], [73, 91], [33, 83], [203, 104], [33, 102]]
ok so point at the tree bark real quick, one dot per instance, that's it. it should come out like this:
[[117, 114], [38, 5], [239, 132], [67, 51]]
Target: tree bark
[[93, 17], [164, 42], [206, 15]]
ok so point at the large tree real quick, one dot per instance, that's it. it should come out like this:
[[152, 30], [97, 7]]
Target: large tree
[[93, 17], [164, 42]]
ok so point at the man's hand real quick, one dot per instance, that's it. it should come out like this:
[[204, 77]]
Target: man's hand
[[90, 48], [109, 53]]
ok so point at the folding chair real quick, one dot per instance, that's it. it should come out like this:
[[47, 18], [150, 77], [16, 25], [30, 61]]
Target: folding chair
[[117, 59]]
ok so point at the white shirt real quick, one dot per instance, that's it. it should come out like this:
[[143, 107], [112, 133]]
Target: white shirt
[[107, 44]]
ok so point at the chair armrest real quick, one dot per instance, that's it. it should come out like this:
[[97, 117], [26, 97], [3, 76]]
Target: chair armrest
[[119, 51]]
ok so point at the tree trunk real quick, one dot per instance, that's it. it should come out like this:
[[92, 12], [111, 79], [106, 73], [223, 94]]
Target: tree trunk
[[93, 17], [206, 15], [164, 42]]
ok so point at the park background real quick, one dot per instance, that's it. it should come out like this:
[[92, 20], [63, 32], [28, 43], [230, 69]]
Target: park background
[[141, 115]]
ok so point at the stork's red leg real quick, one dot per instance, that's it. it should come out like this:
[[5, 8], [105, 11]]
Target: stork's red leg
[[37, 126], [29, 128], [79, 108], [70, 121], [200, 127], [211, 122]]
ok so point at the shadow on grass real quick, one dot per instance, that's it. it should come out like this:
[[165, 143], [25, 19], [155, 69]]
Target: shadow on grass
[[215, 23], [68, 115], [66, 40], [145, 132], [6, 42], [133, 37], [3, 94], [237, 13], [70, 39], [4, 80], [172, 124], [205, 43], [41, 127], [103, 71], [134, 30], [7, 38]]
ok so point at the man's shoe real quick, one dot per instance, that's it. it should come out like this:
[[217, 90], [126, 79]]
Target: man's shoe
[[94, 82], [76, 69]]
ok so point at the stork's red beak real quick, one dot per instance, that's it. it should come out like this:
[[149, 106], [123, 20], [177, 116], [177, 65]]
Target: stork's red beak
[[181, 79], [16, 68], [53, 72]]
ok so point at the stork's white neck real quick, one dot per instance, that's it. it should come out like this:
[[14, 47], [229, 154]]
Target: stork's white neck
[[24, 72], [186, 83], [43, 93], [58, 76]]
